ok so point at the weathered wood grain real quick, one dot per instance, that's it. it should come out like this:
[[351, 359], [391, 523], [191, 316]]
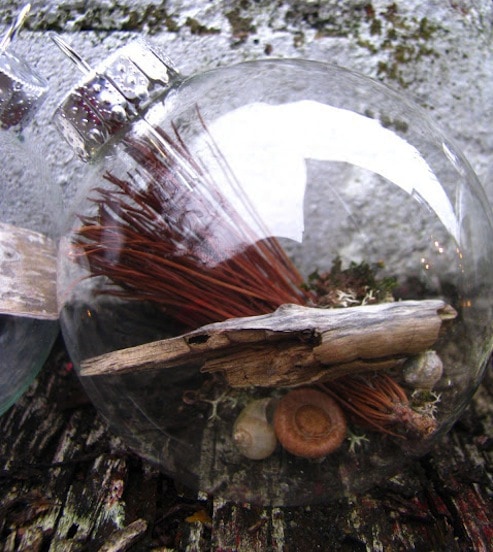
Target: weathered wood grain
[[27, 273], [67, 483], [292, 346]]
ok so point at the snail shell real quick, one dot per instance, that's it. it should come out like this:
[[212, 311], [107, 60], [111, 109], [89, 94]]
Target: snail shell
[[253, 435], [423, 371], [309, 423]]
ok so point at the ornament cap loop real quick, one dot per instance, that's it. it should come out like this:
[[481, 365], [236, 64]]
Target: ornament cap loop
[[22, 90], [14, 28]]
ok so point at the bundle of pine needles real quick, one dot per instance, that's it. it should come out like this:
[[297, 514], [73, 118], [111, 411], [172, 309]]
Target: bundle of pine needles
[[166, 234], [380, 403]]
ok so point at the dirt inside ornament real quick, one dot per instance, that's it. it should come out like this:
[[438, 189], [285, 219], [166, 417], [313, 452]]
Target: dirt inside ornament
[[259, 233]]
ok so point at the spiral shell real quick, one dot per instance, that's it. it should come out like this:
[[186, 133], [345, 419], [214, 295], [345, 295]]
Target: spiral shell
[[253, 435], [309, 423], [423, 371]]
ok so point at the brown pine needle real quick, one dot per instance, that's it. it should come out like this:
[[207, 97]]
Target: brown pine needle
[[380, 402], [166, 234]]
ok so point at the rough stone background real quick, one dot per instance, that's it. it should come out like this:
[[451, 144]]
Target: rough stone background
[[74, 486], [438, 52]]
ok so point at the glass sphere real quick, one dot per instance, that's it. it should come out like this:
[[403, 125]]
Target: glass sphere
[[26, 213], [274, 183]]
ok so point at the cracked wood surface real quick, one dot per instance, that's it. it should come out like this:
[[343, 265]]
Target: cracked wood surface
[[67, 483], [27, 273], [301, 344]]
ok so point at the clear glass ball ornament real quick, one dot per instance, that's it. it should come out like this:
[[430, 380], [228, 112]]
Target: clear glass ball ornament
[[28, 311], [229, 194]]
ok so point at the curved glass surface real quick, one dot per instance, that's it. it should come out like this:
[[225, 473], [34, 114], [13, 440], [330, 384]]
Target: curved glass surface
[[260, 185], [29, 215]]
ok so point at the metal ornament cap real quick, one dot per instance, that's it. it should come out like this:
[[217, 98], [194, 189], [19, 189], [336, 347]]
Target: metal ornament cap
[[109, 97]]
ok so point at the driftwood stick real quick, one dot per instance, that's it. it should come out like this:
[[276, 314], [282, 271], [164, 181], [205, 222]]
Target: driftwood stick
[[27, 273], [294, 345]]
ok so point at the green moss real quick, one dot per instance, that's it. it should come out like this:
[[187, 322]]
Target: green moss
[[426, 29], [357, 284], [376, 27], [197, 28], [391, 35], [368, 45], [344, 22], [171, 25], [398, 40], [402, 41], [390, 14], [404, 53], [241, 26], [118, 17], [397, 124], [298, 40], [327, 29]]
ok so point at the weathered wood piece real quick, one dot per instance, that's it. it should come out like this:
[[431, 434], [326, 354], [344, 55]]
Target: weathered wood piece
[[122, 539], [66, 483], [27, 273], [292, 346]]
